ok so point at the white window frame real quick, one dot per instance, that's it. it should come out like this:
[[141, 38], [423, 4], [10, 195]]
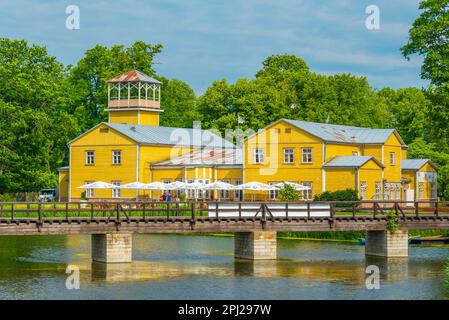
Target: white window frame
[[363, 187], [273, 194], [421, 190], [259, 155], [307, 155], [90, 157], [378, 190], [89, 192], [238, 194], [289, 155], [225, 194], [116, 193], [307, 194], [116, 157]]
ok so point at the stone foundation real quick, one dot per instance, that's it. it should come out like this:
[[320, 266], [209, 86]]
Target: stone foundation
[[255, 245], [386, 244], [112, 247]]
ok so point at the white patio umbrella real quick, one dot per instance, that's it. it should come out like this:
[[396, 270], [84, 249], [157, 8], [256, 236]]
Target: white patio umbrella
[[97, 185], [219, 185], [194, 186], [255, 186], [156, 186], [134, 186], [297, 186], [177, 185]]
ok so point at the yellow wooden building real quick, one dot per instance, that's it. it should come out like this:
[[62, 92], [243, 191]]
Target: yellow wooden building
[[132, 146], [328, 157]]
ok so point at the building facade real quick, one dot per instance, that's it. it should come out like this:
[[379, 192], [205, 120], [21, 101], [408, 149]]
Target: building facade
[[132, 146]]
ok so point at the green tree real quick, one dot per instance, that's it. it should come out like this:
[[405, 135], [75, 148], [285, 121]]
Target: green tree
[[35, 122], [428, 38], [179, 104], [100, 64]]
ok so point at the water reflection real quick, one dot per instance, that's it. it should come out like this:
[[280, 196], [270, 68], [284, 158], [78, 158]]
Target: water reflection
[[174, 266]]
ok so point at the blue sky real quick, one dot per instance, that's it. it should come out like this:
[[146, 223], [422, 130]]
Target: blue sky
[[207, 40]]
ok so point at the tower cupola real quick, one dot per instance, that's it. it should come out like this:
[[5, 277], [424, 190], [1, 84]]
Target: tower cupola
[[134, 98]]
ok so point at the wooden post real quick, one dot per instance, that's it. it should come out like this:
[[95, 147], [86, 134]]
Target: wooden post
[[374, 209], [12, 211], [332, 207], [216, 210], [168, 210], [353, 210], [308, 210], [67, 210], [192, 208], [240, 210], [436, 208], [417, 208], [286, 210], [91, 211], [143, 211], [39, 213]]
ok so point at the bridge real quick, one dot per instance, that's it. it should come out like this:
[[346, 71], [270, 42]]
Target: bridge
[[254, 224]]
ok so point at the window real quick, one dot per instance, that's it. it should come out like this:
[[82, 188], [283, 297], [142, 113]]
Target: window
[[225, 194], [387, 191], [277, 130], [289, 155], [116, 157], [190, 193], [398, 191], [378, 190], [307, 194], [306, 155], [433, 190], [392, 193], [116, 192], [89, 192], [363, 187], [90, 157], [392, 158], [355, 153], [273, 193], [288, 130], [203, 194], [421, 190], [259, 155], [238, 194]]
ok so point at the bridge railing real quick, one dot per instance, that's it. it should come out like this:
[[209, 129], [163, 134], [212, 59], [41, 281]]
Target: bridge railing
[[40, 211]]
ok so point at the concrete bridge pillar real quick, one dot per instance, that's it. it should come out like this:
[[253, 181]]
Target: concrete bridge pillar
[[112, 247], [386, 244], [255, 245]]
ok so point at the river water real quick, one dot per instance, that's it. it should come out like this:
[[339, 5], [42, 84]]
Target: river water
[[203, 267]]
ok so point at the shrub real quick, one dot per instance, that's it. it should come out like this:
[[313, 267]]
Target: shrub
[[6, 198], [392, 221], [288, 193], [339, 195]]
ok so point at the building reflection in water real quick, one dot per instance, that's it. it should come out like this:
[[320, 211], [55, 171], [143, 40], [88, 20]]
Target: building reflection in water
[[391, 269]]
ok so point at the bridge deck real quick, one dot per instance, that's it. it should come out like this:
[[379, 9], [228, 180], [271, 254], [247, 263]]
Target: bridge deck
[[203, 217]]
